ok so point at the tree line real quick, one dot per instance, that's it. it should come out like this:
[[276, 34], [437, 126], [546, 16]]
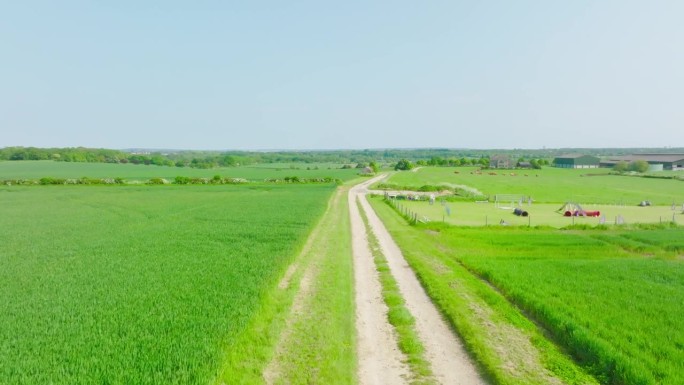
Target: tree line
[[213, 159]]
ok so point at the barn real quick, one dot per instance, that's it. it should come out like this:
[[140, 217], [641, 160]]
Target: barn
[[576, 161], [656, 161]]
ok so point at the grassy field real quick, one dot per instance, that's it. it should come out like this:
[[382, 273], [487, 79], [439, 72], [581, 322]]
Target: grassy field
[[551, 185], [540, 214], [612, 298], [40, 169], [144, 285]]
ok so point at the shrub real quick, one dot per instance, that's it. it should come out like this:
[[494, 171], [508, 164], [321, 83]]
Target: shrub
[[403, 164], [48, 180], [157, 181]]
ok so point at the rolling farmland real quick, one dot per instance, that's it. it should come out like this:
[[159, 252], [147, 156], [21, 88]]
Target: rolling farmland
[[139, 284], [182, 283]]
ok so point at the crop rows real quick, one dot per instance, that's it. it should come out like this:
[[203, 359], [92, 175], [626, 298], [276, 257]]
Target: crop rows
[[139, 284], [619, 312]]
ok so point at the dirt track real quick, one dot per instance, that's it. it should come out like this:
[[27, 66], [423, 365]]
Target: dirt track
[[380, 361]]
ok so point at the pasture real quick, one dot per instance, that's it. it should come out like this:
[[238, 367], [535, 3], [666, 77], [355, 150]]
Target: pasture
[[139, 284], [539, 214], [551, 185], [611, 297], [541, 193], [46, 168]]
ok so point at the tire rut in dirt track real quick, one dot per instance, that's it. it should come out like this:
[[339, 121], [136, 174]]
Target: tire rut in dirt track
[[449, 361], [379, 359]]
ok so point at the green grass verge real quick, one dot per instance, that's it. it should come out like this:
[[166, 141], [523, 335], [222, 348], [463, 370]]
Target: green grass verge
[[319, 346], [509, 348], [398, 315]]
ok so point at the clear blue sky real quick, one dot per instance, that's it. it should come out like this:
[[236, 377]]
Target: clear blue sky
[[348, 74]]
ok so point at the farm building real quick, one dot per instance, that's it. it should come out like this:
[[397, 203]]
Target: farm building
[[366, 171], [500, 161], [656, 161], [576, 161]]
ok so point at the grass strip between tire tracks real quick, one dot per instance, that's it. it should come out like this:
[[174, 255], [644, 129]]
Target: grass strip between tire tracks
[[398, 315]]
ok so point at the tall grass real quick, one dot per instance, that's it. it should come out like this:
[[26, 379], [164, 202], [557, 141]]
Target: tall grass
[[139, 285], [617, 309], [612, 298]]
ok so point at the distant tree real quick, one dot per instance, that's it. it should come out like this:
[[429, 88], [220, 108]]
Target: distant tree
[[361, 165], [436, 161], [638, 166], [374, 166], [620, 167], [227, 161], [535, 164], [403, 164], [422, 162]]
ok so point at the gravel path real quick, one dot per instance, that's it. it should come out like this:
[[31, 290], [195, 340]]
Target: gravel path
[[449, 360]]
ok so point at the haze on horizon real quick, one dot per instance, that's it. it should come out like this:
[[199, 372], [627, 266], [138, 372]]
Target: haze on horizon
[[316, 75]]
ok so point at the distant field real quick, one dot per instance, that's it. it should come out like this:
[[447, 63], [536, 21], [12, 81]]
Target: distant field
[[551, 185], [138, 284], [540, 214], [613, 298], [40, 169]]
